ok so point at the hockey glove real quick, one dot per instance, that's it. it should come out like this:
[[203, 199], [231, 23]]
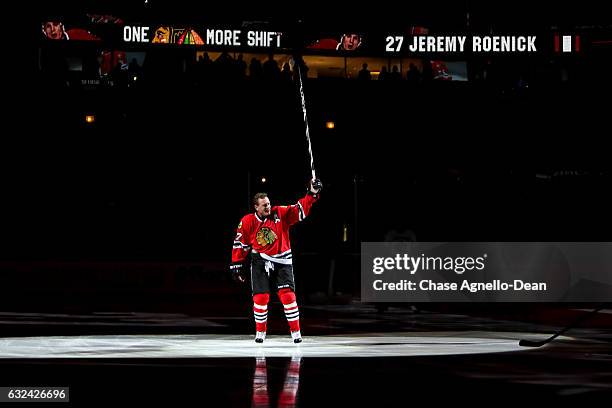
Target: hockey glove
[[315, 186], [238, 272]]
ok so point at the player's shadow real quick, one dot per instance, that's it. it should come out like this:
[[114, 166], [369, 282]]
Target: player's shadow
[[288, 395]]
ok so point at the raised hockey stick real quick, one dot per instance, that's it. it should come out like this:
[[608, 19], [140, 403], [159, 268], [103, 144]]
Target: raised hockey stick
[[312, 168], [580, 319]]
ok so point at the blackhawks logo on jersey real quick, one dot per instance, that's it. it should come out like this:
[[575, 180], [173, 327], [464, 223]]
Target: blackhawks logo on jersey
[[265, 236]]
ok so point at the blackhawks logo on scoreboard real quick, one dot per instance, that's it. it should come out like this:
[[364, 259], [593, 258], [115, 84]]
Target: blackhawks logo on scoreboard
[[265, 236]]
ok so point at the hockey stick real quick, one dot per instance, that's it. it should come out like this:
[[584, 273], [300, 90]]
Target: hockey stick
[[306, 120], [580, 319]]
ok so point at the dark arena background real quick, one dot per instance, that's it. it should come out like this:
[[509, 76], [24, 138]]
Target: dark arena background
[[130, 159]]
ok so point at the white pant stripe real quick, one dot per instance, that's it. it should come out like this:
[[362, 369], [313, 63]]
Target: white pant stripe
[[262, 307], [294, 304]]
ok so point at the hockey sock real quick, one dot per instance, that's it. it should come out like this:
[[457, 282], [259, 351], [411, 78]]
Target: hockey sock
[[287, 298], [260, 311]]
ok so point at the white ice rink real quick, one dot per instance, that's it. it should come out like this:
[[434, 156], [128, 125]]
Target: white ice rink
[[212, 345]]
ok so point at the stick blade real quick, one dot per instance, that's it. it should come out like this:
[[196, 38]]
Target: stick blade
[[532, 343]]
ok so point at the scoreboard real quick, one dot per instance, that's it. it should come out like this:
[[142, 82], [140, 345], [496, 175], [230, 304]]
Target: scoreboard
[[412, 41]]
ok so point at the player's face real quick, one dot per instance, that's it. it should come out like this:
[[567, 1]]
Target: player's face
[[53, 30], [263, 207], [351, 41]]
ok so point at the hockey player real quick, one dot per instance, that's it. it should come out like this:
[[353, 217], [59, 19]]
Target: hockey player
[[265, 233]]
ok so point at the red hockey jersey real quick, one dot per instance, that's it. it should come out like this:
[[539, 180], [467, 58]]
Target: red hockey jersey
[[269, 237]]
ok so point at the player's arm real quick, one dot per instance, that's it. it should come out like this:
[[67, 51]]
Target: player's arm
[[299, 211], [240, 250]]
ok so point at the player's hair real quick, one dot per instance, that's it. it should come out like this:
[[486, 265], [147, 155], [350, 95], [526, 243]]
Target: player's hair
[[257, 196]]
